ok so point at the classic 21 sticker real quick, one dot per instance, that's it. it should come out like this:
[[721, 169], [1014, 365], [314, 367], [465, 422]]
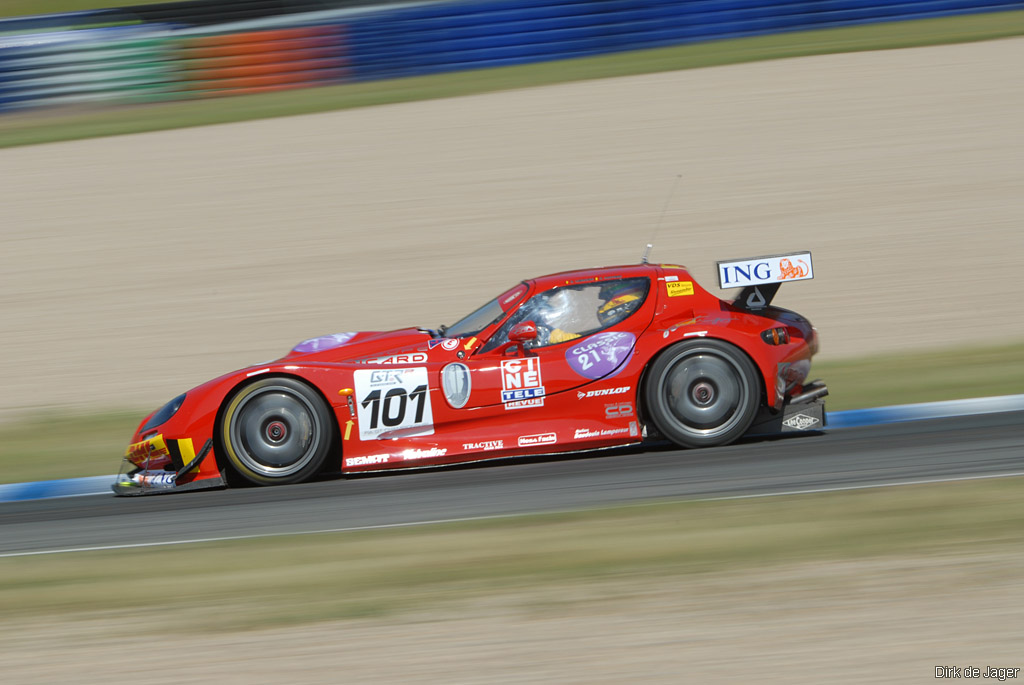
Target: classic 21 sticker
[[601, 356]]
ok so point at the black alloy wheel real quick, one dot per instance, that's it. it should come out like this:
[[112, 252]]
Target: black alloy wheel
[[276, 431], [702, 393]]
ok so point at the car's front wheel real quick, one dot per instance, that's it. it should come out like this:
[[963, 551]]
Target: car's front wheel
[[276, 431], [702, 393]]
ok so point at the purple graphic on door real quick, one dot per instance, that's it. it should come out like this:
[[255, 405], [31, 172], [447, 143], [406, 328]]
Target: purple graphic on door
[[324, 342], [601, 356]]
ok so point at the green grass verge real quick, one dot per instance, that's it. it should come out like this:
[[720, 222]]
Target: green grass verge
[[247, 584], [57, 125], [931, 376], [20, 8], [51, 446]]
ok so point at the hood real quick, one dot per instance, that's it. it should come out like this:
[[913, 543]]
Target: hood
[[352, 346]]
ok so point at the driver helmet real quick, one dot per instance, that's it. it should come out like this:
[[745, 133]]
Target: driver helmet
[[619, 300]]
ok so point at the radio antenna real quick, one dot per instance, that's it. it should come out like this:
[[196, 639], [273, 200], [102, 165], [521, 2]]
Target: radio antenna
[[647, 250]]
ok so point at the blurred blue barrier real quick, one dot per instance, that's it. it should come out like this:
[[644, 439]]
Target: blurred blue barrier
[[469, 35]]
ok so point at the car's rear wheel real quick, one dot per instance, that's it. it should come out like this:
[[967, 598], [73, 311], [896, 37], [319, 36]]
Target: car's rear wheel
[[276, 431], [702, 393]]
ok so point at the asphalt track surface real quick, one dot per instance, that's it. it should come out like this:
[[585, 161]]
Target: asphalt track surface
[[980, 446]]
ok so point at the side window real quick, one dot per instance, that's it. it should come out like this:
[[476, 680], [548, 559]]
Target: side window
[[573, 311]]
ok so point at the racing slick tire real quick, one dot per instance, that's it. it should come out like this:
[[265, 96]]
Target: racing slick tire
[[702, 393], [276, 431]]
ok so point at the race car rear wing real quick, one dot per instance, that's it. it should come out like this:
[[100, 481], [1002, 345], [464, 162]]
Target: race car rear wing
[[760, 277]]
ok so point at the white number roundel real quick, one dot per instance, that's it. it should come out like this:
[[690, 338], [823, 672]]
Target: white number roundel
[[393, 399]]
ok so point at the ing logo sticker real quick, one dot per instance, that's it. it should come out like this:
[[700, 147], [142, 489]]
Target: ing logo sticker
[[790, 270]]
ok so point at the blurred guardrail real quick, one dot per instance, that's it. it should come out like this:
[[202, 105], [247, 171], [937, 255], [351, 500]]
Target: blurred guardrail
[[131, 55]]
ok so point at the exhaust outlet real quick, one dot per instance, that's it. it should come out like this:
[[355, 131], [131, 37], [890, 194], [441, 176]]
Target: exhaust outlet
[[814, 391]]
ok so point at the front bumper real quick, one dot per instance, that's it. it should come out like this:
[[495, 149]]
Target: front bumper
[[155, 465]]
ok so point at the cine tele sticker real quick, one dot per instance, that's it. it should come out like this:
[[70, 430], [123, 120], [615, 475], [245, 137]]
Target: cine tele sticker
[[678, 288]]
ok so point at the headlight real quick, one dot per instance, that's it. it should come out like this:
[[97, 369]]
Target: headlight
[[164, 413]]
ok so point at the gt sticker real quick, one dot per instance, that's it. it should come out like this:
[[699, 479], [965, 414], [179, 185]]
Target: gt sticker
[[677, 288], [393, 399], [602, 355], [521, 384]]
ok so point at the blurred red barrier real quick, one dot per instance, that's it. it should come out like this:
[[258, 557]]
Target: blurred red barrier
[[256, 61]]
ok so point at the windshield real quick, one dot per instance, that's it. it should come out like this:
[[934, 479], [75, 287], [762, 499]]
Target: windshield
[[565, 313], [490, 313]]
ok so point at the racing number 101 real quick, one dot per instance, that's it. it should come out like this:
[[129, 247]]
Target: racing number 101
[[387, 413]]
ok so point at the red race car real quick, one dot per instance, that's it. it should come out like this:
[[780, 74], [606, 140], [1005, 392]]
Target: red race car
[[573, 361]]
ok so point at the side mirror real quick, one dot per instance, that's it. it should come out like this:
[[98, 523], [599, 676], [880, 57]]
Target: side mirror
[[521, 332], [518, 336]]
